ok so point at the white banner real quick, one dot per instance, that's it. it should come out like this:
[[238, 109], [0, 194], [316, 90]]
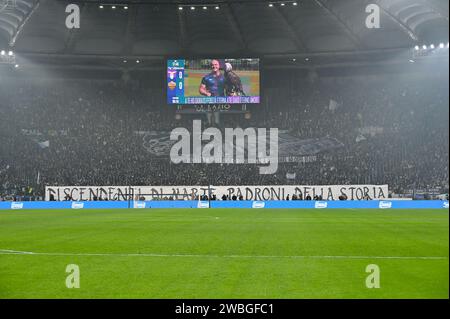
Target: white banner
[[256, 193]]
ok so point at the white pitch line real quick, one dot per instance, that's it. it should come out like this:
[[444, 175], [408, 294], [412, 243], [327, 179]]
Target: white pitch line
[[16, 252]]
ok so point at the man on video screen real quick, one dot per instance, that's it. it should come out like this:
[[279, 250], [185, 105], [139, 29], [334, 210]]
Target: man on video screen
[[213, 84]]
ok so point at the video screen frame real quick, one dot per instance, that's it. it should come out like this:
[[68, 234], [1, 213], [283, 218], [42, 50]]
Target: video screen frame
[[196, 100]]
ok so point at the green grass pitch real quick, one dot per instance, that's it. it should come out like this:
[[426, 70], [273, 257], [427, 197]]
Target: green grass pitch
[[224, 253], [250, 82]]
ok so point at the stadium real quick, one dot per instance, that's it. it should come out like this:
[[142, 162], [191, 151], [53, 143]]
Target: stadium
[[232, 149]]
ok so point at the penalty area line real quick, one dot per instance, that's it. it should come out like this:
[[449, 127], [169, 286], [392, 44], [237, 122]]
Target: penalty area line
[[18, 252]]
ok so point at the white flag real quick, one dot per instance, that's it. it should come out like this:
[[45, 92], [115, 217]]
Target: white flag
[[44, 144], [360, 138], [291, 175], [333, 105]]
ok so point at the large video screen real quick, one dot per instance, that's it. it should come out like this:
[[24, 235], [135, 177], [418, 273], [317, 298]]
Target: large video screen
[[213, 81]]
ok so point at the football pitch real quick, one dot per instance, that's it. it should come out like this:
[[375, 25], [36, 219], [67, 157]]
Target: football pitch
[[224, 253], [250, 82]]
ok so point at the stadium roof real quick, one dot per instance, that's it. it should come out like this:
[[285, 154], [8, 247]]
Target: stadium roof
[[244, 28]]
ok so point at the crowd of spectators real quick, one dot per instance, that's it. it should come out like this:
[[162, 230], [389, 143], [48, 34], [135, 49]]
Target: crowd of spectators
[[394, 130]]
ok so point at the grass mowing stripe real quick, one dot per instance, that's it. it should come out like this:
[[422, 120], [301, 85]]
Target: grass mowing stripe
[[16, 252]]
